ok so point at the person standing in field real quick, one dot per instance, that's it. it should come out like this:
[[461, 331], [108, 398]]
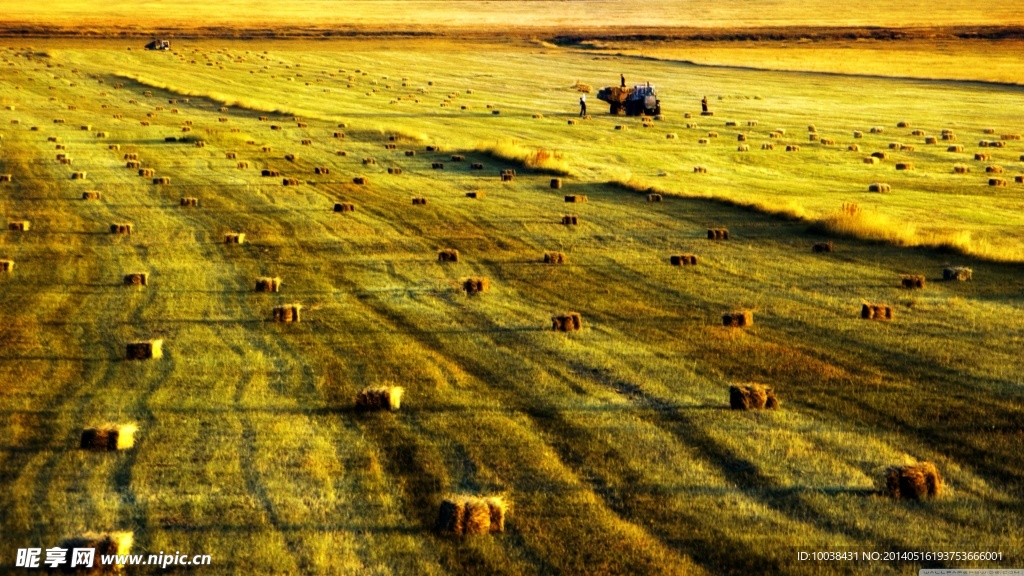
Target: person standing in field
[[622, 80], [583, 105], [704, 104]]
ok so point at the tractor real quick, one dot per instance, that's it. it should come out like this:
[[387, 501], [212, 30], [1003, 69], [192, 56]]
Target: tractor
[[159, 45], [639, 100]]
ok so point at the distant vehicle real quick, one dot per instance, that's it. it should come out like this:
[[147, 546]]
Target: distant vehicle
[[636, 101], [159, 45]]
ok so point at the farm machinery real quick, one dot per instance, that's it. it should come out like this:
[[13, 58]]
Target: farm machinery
[[639, 100]]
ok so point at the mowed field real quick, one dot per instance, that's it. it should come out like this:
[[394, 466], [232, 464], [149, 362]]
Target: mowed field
[[615, 445]]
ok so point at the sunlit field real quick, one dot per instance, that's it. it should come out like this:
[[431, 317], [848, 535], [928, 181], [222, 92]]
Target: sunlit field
[[614, 446]]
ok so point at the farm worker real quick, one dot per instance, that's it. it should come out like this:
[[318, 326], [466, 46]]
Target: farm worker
[[583, 105], [622, 79], [704, 104]]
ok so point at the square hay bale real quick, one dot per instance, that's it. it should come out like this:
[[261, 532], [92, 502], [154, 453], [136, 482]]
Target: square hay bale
[[620, 126], [112, 544], [458, 158], [792, 148], [242, 165], [394, 170], [476, 194], [767, 146], [718, 233], [6, 265], [344, 207], [858, 134], [554, 258], [912, 482], [556, 183], [448, 255], [741, 137], [19, 225], [958, 273], [683, 260], [877, 130], [323, 170], [671, 136], [828, 142], [895, 146], [955, 148], [983, 156], [476, 166], [576, 198], [91, 195], [268, 284], [162, 180], [879, 187], [476, 285], [730, 123], [288, 313], [108, 437], [1000, 182], [433, 148], [871, 160], [78, 175], [1011, 136], [931, 140], [290, 157], [752, 397], [360, 180], [1019, 179], [654, 198], [700, 170], [64, 159], [712, 134], [144, 350], [290, 182], [813, 137], [122, 228], [568, 322], [904, 165], [190, 202], [136, 279], [994, 169], [419, 201], [133, 164], [437, 165], [903, 124], [880, 155], [267, 173], [410, 152], [740, 319], [871, 311], [912, 281], [961, 169], [380, 398], [267, 149], [823, 247], [853, 148], [570, 220], [573, 122], [307, 142], [234, 238]]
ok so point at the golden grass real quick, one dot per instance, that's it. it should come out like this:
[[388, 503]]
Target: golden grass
[[539, 159]]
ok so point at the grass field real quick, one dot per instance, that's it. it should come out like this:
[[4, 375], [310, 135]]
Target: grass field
[[614, 445]]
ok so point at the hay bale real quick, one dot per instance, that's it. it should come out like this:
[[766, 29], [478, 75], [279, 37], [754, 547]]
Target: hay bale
[[961, 169], [880, 155], [703, 141], [767, 146], [740, 319], [871, 311], [718, 233], [994, 169], [570, 220], [620, 127], [853, 148], [858, 134], [958, 273], [671, 136], [476, 285], [190, 202], [573, 122], [369, 161], [752, 397], [879, 187], [19, 225], [912, 482], [288, 312], [507, 177], [708, 113], [394, 170], [64, 159], [813, 137], [877, 130], [912, 281], [433, 148], [6, 265], [321, 170], [344, 207], [144, 350], [78, 175], [982, 156], [476, 194], [741, 137], [458, 158], [91, 195], [556, 183], [904, 165], [242, 165], [448, 255], [683, 260], [823, 247], [575, 198], [136, 279], [360, 180], [1011, 136], [476, 166], [1019, 179], [568, 322], [997, 182], [162, 180], [828, 142], [122, 228], [872, 160], [700, 170], [108, 437], [268, 284], [895, 146], [380, 398], [289, 181], [792, 148], [654, 198], [234, 238], [419, 201], [437, 165], [555, 258]]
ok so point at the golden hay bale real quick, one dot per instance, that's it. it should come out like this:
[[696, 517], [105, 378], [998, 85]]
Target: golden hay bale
[[813, 137], [6, 265], [998, 182], [144, 350], [19, 225], [290, 182], [133, 164], [912, 281], [458, 158], [740, 319], [712, 134], [394, 170], [554, 258], [556, 183], [162, 180], [931, 140], [904, 165], [475, 194], [823, 247], [136, 279], [290, 157], [620, 127], [380, 398], [369, 161], [344, 207], [437, 165], [268, 284], [64, 159], [767, 146], [361, 180], [700, 170], [683, 260], [880, 155], [147, 172], [1019, 179], [912, 482], [307, 142], [112, 544], [994, 169], [853, 148], [576, 198], [703, 141], [476, 166], [671, 136], [870, 311], [879, 187], [573, 122], [792, 148], [91, 195], [961, 169], [654, 198], [955, 148], [895, 146], [871, 160], [903, 124], [190, 201], [288, 312], [877, 130], [267, 149], [476, 285], [1011, 136], [78, 175], [448, 255], [718, 233], [982, 156], [858, 134], [570, 220], [242, 165], [828, 142], [708, 113], [234, 238], [122, 228], [568, 322], [752, 397], [741, 137], [419, 201], [108, 437], [959, 273]]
